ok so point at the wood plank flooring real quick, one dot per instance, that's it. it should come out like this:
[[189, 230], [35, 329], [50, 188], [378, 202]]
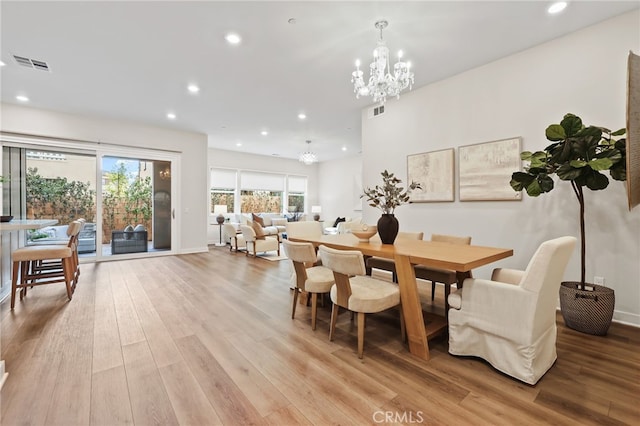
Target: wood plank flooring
[[208, 339]]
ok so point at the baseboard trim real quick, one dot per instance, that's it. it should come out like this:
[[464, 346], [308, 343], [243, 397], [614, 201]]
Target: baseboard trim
[[194, 250]]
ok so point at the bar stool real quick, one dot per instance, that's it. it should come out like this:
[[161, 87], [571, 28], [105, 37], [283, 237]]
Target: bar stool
[[56, 265], [25, 260]]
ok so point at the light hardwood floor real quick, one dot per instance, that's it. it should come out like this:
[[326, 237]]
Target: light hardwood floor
[[207, 339]]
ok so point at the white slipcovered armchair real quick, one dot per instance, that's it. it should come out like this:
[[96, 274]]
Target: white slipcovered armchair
[[255, 245], [510, 320]]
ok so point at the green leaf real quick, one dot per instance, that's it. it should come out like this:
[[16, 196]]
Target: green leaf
[[571, 124], [619, 132], [596, 181], [545, 183], [600, 163], [525, 155], [533, 189], [578, 163], [618, 172], [566, 172], [555, 132]]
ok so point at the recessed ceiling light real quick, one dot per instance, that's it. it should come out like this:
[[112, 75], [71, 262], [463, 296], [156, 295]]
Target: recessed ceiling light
[[557, 7], [171, 116], [233, 38], [264, 133], [193, 88], [2, 64], [302, 116], [292, 21], [22, 98], [238, 144], [344, 148]]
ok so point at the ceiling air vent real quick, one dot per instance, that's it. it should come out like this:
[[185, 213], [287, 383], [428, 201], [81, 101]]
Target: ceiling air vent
[[375, 111], [31, 63]]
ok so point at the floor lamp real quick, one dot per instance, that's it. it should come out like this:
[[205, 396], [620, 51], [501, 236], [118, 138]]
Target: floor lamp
[[221, 209]]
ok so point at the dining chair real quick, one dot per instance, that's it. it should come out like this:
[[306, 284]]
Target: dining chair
[[355, 291], [389, 264], [25, 260], [444, 276], [510, 320], [316, 280]]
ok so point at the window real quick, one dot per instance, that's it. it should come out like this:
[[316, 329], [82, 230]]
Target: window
[[261, 192], [261, 201], [223, 184], [297, 189]]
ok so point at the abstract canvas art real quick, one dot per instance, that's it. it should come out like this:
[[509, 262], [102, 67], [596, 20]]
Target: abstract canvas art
[[485, 170], [434, 172]]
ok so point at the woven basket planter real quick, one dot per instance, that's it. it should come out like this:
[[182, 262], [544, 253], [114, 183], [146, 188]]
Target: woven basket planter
[[587, 311]]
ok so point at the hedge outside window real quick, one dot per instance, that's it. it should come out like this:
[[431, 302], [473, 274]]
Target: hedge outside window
[[260, 201], [224, 196]]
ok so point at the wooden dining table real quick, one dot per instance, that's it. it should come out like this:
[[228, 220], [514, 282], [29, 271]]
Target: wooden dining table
[[407, 253]]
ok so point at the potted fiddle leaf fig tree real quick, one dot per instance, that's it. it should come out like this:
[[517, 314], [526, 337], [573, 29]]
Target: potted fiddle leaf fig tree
[[580, 155]]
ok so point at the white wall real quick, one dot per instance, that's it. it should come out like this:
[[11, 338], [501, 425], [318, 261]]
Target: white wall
[[583, 73], [339, 188], [192, 147]]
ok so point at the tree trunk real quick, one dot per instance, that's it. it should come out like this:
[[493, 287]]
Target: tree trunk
[[583, 248]]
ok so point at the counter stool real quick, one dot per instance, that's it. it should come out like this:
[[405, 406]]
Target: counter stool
[[25, 260]]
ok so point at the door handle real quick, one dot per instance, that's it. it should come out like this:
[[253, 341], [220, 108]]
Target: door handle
[[173, 213]]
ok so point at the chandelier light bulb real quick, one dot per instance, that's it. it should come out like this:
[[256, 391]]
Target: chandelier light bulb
[[400, 54], [358, 63], [408, 65]]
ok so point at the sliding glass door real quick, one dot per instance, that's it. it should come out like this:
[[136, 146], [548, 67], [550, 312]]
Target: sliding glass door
[[136, 205], [125, 196]]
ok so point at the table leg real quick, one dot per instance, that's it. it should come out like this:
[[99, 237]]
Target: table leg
[[411, 308]]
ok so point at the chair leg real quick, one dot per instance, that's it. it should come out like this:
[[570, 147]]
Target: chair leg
[[433, 290], [334, 319], [14, 283], [447, 291], [360, 334], [403, 329], [24, 269], [314, 309], [67, 265], [295, 302]]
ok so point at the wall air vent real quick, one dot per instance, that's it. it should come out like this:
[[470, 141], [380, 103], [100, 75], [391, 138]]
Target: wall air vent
[[375, 111], [31, 63]]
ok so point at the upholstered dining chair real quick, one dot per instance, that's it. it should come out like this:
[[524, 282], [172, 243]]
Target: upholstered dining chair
[[256, 245], [356, 291], [389, 264], [311, 279], [510, 320], [28, 261], [236, 241], [304, 228], [444, 276]]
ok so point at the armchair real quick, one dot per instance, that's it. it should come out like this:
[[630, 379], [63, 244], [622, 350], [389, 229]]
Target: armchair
[[235, 240], [255, 244], [510, 320]]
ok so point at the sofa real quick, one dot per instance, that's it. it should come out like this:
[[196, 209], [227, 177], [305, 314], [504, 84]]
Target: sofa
[[58, 235], [130, 240]]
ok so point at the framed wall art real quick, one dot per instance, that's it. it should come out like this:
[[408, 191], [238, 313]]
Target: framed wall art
[[434, 172], [485, 170]]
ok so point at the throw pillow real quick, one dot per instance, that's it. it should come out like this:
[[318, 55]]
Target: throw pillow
[[260, 235], [257, 219], [338, 220], [128, 232], [138, 232]]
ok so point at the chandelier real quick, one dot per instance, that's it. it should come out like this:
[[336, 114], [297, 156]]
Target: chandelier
[[308, 157], [381, 83]]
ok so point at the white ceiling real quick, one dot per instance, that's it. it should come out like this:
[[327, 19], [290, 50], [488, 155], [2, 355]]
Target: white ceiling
[[134, 60]]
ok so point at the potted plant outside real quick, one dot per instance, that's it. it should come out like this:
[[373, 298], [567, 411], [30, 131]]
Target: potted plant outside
[[579, 155], [386, 198]]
